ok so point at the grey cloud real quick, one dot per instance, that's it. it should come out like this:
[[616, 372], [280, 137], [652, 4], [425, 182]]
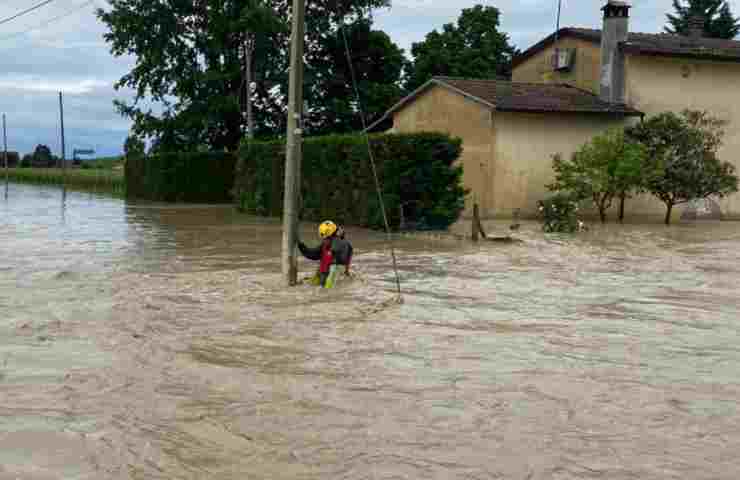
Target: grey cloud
[[72, 55]]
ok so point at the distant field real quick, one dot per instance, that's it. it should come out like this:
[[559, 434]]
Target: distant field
[[106, 163], [95, 179]]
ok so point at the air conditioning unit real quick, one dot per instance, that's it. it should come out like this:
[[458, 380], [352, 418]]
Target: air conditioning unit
[[562, 59]]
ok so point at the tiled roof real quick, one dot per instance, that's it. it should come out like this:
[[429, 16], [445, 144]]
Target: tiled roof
[[650, 44], [505, 96], [533, 97]]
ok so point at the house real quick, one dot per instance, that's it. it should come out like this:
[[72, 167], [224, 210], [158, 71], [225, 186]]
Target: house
[[13, 159], [567, 88]]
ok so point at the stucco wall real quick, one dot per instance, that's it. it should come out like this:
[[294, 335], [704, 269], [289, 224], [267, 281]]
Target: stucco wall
[[586, 68], [657, 84], [525, 144], [439, 110]]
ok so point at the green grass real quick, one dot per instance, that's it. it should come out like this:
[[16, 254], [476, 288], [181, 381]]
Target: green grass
[[89, 179], [105, 163]]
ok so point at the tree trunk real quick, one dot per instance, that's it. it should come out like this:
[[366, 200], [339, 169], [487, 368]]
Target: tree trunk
[[622, 198], [669, 209], [248, 51], [603, 203], [602, 214]]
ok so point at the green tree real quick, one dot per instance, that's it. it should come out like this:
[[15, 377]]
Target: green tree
[[377, 64], [134, 146], [473, 48], [603, 169], [719, 22], [681, 161], [191, 58], [42, 157]]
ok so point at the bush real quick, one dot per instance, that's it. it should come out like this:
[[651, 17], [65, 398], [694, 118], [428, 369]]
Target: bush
[[181, 177], [417, 171], [559, 213]]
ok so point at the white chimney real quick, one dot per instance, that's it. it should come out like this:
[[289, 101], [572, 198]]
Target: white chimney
[[615, 31]]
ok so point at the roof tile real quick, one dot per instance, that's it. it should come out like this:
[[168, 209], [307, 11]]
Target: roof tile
[[651, 44], [534, 97]]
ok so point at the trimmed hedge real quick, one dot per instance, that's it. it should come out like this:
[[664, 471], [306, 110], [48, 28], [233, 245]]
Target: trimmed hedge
[[418, 171], [181, 177]]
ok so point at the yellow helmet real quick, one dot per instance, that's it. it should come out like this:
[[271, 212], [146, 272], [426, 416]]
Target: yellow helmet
[[327, 229]]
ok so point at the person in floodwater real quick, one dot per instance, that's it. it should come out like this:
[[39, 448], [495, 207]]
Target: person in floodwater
[[333, 251]]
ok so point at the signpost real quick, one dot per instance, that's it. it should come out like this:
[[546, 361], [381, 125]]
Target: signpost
[[81, 151]]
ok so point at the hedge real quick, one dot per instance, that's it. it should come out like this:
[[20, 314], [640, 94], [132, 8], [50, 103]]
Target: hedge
[[418, 171], [181, 177]]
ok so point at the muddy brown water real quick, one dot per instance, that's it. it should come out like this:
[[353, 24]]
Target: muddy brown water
[[156, 342]]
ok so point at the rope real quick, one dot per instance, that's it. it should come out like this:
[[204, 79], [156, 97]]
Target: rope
[[371, 156]]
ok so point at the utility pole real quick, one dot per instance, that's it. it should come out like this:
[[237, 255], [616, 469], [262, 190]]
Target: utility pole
[[61, 116], [294, 147], [5, 155]]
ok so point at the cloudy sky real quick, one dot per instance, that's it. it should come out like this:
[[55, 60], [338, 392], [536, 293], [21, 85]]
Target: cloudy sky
[[60, 47]]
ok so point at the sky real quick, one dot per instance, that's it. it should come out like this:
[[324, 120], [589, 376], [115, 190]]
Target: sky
[[60, 46]]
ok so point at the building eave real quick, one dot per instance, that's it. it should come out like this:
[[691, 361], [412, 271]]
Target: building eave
[[651, 52], [620, 113]]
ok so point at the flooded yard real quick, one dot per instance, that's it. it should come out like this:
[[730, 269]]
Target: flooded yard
[[157, 342]]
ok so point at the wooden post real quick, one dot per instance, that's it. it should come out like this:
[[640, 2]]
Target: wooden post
[[294, 147], [476, 222]]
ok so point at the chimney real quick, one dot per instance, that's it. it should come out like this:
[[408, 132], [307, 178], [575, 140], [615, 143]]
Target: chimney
[[696, 25], [615, 30]]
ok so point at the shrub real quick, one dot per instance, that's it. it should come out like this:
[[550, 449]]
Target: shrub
[[559, 213], [181, 177]]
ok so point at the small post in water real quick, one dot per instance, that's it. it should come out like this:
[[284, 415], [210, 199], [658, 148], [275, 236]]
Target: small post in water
[[475, 222], [5, 156]]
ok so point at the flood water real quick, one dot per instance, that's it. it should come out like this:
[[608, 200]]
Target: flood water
[[156, 342]]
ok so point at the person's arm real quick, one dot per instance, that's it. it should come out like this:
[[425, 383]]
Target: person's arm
[[310, 253]]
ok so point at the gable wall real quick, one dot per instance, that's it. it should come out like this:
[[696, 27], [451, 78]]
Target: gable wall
[[586, 68], [440, 110]]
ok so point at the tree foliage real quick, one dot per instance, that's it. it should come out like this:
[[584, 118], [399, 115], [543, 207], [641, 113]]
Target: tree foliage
[[681, 157], [42, 157], [473, 48], [190, 60], [134, 147], [377, 64], [603, 169], [719, 22]]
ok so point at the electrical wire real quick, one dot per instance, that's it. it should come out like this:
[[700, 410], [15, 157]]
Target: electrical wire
[[371, 156], [24, 12], [49, 21]]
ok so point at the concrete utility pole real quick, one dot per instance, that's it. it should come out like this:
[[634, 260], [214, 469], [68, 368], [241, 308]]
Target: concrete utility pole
[[5, 155], [61, 116], [294, 147]]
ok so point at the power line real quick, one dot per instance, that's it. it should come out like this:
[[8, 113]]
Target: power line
[[28, 10], [49, 21]]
